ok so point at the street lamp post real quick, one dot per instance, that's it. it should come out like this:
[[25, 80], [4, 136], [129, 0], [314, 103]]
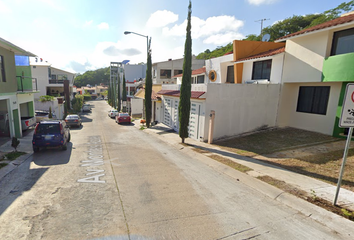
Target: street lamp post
[[148, 45], [148, 42]]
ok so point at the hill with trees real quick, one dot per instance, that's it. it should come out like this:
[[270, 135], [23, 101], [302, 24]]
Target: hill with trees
[[98, 76], [282, 28]]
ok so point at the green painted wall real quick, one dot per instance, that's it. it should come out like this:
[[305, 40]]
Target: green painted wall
[[338, 68], [17, 123], [27, 82], [31, 109], [10, 85]]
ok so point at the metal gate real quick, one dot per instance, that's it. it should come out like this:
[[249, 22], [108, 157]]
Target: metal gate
[[167, 112], [194, 121]]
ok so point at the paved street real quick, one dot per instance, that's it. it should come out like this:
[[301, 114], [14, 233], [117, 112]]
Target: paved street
[[118, 181]]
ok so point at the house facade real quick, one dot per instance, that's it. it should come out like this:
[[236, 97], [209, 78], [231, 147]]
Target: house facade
[[50, 79], [242, 89], [17, 88], [318, 65], [162, 72]]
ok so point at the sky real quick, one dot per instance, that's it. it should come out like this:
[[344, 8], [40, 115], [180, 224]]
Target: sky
[[82, 35]]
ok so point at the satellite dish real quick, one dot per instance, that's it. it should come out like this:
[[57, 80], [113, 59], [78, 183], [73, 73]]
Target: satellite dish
[[266, 38]]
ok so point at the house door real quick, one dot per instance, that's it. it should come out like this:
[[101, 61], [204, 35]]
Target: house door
[[194, 120]]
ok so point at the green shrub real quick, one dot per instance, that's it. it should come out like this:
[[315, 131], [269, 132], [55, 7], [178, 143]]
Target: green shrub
[[46, 98]]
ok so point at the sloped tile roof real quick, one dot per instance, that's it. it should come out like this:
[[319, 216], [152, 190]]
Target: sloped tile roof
[[141, 94], [264, 54], [338, 21], [176, 93], [194, 72]]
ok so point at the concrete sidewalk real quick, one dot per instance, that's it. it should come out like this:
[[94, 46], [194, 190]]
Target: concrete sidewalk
[[24, 146], [310, 185]]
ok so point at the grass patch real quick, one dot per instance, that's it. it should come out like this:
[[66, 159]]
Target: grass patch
[[270, 141], [230, 163], [3, 165], [324, 166], [13, 155]]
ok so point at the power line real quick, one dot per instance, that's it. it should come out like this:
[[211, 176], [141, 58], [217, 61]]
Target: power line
[[262, 20]]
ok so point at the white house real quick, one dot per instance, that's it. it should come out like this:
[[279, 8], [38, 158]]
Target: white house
[[317, 67], [162, 72], [238, 105]]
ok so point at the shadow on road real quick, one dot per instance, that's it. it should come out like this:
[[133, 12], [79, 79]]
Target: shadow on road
[[52, 156]]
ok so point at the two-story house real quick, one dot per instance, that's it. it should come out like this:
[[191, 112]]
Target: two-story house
[[318, 65], [17, 88], [162, 72], [242, 88], [50, 79]]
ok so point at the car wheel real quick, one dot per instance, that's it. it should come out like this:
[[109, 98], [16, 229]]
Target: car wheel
[[35, 149]]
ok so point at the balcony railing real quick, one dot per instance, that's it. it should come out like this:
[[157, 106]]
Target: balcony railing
[[26, 84], [55, 81]]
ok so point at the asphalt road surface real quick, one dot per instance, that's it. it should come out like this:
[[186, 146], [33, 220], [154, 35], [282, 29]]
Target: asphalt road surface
[[118, 182]]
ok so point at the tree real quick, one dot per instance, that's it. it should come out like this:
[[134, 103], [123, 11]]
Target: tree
[[14, 143], [124, 93], [50, 114], [185, 95], [148, 89]]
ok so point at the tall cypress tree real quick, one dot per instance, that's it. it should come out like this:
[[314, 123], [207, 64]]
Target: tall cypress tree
[[148, 89], [185, 95], [124, 93]]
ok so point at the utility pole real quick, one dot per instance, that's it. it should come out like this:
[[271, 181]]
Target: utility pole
[[262, 20]]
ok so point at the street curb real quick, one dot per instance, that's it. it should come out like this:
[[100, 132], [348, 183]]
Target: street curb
[[13, 165], [316, 213]]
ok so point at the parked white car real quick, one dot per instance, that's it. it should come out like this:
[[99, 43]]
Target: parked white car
[[112, 113], [86, 108]]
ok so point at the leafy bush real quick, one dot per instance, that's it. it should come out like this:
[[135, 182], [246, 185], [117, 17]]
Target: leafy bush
[[46, 98], [77, 102]]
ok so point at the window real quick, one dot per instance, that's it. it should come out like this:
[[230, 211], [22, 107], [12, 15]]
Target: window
[[261, 70], [49, 72], [62, 77], [230, 74], [343, 42], [200, 79], [176, 72], [313, 100], [165, 74], [54, 77], [2, 69]]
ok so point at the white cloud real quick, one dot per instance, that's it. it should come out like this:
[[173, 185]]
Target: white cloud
[[259, 2], [161, 18], [4, 8], [103, 25], [88, 23], [216, 30], [53, 4], [221, 39]]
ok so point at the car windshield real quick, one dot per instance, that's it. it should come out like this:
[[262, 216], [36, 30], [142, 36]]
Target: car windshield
[[72, 117], [48, 128], [124, 115]]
